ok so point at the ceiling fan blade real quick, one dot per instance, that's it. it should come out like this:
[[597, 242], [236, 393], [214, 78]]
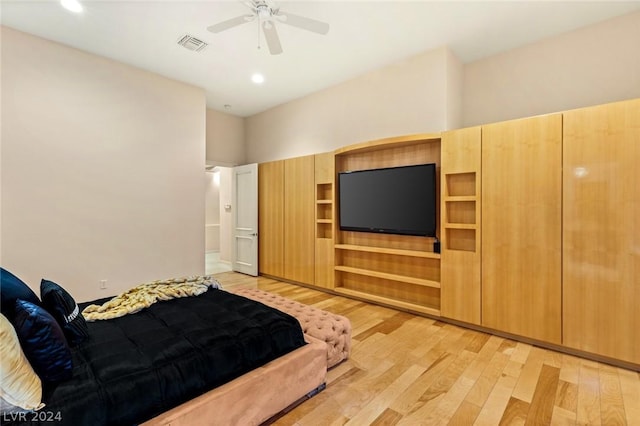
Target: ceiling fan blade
[[230, 23], [304, 23], [272, 38]]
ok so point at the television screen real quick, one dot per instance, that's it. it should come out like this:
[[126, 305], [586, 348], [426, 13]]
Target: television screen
[[396, 200]]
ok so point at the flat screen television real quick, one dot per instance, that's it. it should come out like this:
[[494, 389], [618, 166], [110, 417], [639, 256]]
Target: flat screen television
[[395, 200]]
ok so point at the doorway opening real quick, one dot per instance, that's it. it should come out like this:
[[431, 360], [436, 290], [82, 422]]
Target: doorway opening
[[218, 219]]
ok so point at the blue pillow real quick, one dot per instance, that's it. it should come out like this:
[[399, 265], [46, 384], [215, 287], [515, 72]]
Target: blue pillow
[[42, 342], [59, 303], [11, 289]]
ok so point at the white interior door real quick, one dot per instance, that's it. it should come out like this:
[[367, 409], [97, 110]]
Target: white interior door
[[245, 219]]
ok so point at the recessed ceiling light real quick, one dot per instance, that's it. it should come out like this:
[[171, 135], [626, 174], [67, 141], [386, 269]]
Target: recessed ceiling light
[[257, 78], [72, 5]]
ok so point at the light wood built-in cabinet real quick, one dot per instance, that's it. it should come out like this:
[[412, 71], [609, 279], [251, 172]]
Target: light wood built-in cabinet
[[286, 219], [601, 233], [460, 216], [522, 227], [271, 218], [538, 222], [325, 214], [299, 215], [396, 270]]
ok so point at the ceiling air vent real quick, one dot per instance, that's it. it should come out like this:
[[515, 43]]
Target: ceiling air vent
[[192, 43]]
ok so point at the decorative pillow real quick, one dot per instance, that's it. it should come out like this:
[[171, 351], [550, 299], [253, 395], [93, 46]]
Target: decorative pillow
[[19, 384], [64, 309], [43, 342], [11, 289]]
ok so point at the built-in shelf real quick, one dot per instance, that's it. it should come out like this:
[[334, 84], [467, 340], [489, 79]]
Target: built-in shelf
[[460, 184], [460, 211], [387, 301], [460, 226], [324, 211], [384, 250], [395, 270], [460, 198], [387, 276]]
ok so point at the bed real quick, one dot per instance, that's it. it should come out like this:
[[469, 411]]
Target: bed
[[217, 358]]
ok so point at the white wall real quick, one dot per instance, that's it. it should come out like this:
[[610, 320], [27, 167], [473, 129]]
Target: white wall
[[593, 65], [454, 78], [225, 138], [226, 219], [433, 91], [102, 168], [411, 96]]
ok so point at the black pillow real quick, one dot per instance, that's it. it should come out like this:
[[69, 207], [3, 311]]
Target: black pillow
[[42, 342], [11, 289], [64, 309]]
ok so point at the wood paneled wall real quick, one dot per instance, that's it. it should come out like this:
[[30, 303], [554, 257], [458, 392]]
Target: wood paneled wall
[[271, 218], [540, 231], [461, 176], [601, 234], [299, 223], [521, 227]]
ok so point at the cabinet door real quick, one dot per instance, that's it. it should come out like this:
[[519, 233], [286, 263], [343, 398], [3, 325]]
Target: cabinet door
[[601, 234], [460, 218], [299, 219], [271, 218], [521, 227]]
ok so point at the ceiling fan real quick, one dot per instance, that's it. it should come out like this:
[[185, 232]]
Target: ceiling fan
[[267, 15]]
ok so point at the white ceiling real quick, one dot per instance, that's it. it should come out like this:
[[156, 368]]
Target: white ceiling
[[364, 35]]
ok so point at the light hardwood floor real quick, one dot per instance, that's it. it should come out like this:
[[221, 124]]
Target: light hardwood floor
[[406, 369]]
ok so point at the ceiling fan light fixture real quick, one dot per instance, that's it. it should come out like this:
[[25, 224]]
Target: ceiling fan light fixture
[[268, 15], [263, 11]]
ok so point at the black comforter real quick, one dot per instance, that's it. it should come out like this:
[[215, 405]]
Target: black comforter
[[135, 367]]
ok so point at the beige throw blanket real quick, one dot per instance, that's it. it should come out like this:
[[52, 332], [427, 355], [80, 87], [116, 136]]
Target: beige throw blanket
[[145, 295]]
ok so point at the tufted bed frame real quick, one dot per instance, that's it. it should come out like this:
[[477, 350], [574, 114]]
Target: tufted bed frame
[[262, 393]]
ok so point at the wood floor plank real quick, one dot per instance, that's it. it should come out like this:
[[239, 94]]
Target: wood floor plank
[[465, 415], [381, 402], [611, 402], [409, 400], [515, 413], [497, 401], [484, 385], [343, 371], [588, 411], [562, 417], [508, 346], [570, 369], [521, 352], [435, 396], [567, 396], [630, 386], [387, 418], [410, 370], [544, 397], [513, 369], [528, 379], [477, 342], [363, 331], [553, 358], [402, 341]]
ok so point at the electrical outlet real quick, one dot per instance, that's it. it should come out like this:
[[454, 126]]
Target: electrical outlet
[[103, 284]]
